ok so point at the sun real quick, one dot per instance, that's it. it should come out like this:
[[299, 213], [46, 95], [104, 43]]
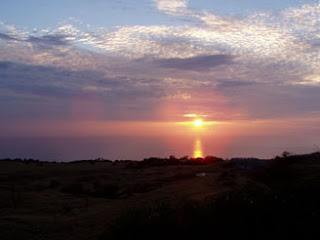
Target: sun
[[198, 123]]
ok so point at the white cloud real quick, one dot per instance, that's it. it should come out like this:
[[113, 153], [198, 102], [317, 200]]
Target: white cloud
[[261, 35], [312, 80], [173, 7], [95, 88], [306, 18], [193, 115], [266, 45]]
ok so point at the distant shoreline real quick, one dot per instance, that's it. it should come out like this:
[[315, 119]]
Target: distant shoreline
[[185, 159]]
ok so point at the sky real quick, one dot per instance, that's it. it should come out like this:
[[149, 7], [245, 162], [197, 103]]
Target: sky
[[146, 67]]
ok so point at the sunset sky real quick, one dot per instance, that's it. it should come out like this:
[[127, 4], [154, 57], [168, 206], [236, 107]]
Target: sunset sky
[[145, 67]]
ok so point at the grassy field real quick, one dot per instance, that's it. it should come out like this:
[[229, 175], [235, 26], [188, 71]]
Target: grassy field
[[157, 199]]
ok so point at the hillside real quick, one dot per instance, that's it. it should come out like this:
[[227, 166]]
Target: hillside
[[160, 198]]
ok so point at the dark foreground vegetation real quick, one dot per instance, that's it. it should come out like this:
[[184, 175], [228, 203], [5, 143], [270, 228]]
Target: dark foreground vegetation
[[161, 198]]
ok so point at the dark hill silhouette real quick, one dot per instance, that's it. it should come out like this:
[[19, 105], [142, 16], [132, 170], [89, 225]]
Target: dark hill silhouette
[[171, 198]]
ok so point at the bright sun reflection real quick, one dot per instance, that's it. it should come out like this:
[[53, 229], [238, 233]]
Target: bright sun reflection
[[198, 153], [198, 122]]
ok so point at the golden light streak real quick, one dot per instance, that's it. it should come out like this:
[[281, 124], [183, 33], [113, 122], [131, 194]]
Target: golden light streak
[[198, 152]]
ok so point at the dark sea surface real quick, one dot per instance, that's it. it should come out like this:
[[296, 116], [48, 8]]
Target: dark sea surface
[[138, 148]]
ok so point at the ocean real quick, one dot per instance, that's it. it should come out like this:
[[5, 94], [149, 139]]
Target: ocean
[[63, 149]]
